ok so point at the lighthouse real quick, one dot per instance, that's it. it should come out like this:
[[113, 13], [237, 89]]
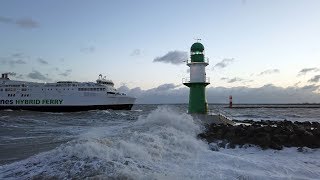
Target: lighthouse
[[198, 80]]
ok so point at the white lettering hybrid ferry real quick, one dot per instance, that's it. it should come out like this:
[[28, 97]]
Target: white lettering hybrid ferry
[[62, 96]]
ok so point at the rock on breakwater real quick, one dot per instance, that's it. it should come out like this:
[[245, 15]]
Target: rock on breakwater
[[266, 134]]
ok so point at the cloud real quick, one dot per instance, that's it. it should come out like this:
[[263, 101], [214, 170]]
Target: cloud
[[162, 94], [297, 83], [165, 87], [13, 62], [18, 55], [136, 52], [89, 49], [37, 76], [42, 61], [235, 79], [5, 20], [16, 76], [224, 63], [312, 87], [315, 79], [307, 70], [266, 94], [173, 57], [19, 76], [26, 23], [66, 73], [13, 59], [269, 71]]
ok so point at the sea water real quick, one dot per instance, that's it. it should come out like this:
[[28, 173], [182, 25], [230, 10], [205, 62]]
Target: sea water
[[148, 142]]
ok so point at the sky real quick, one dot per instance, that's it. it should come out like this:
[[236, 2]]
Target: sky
[[253, 45]]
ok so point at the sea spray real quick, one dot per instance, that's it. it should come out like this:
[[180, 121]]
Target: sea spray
[[145, 147]]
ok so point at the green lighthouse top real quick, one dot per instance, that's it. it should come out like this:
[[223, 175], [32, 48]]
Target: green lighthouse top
[[197, 52], [197, 47]]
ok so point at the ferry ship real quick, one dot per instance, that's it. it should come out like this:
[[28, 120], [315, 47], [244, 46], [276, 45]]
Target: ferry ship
[[62, 96]]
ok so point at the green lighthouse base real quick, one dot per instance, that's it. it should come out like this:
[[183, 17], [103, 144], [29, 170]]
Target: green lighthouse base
[[197, 98]]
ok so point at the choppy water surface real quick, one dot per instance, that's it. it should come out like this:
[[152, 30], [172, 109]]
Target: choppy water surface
[[148, 142]]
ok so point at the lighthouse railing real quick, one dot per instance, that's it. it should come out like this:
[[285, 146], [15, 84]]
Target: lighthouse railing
[[187, 80], [206, 60]]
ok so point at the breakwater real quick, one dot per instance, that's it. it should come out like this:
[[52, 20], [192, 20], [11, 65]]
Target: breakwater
[[266, 134]]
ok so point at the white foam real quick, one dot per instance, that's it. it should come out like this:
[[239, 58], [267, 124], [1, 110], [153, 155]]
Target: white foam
[[136, 110], [162, 145]]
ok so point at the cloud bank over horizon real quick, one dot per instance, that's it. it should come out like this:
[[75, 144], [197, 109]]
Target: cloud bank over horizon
[[171, 94]]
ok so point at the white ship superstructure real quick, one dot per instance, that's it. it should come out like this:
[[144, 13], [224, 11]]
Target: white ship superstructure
[[62, 95]]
